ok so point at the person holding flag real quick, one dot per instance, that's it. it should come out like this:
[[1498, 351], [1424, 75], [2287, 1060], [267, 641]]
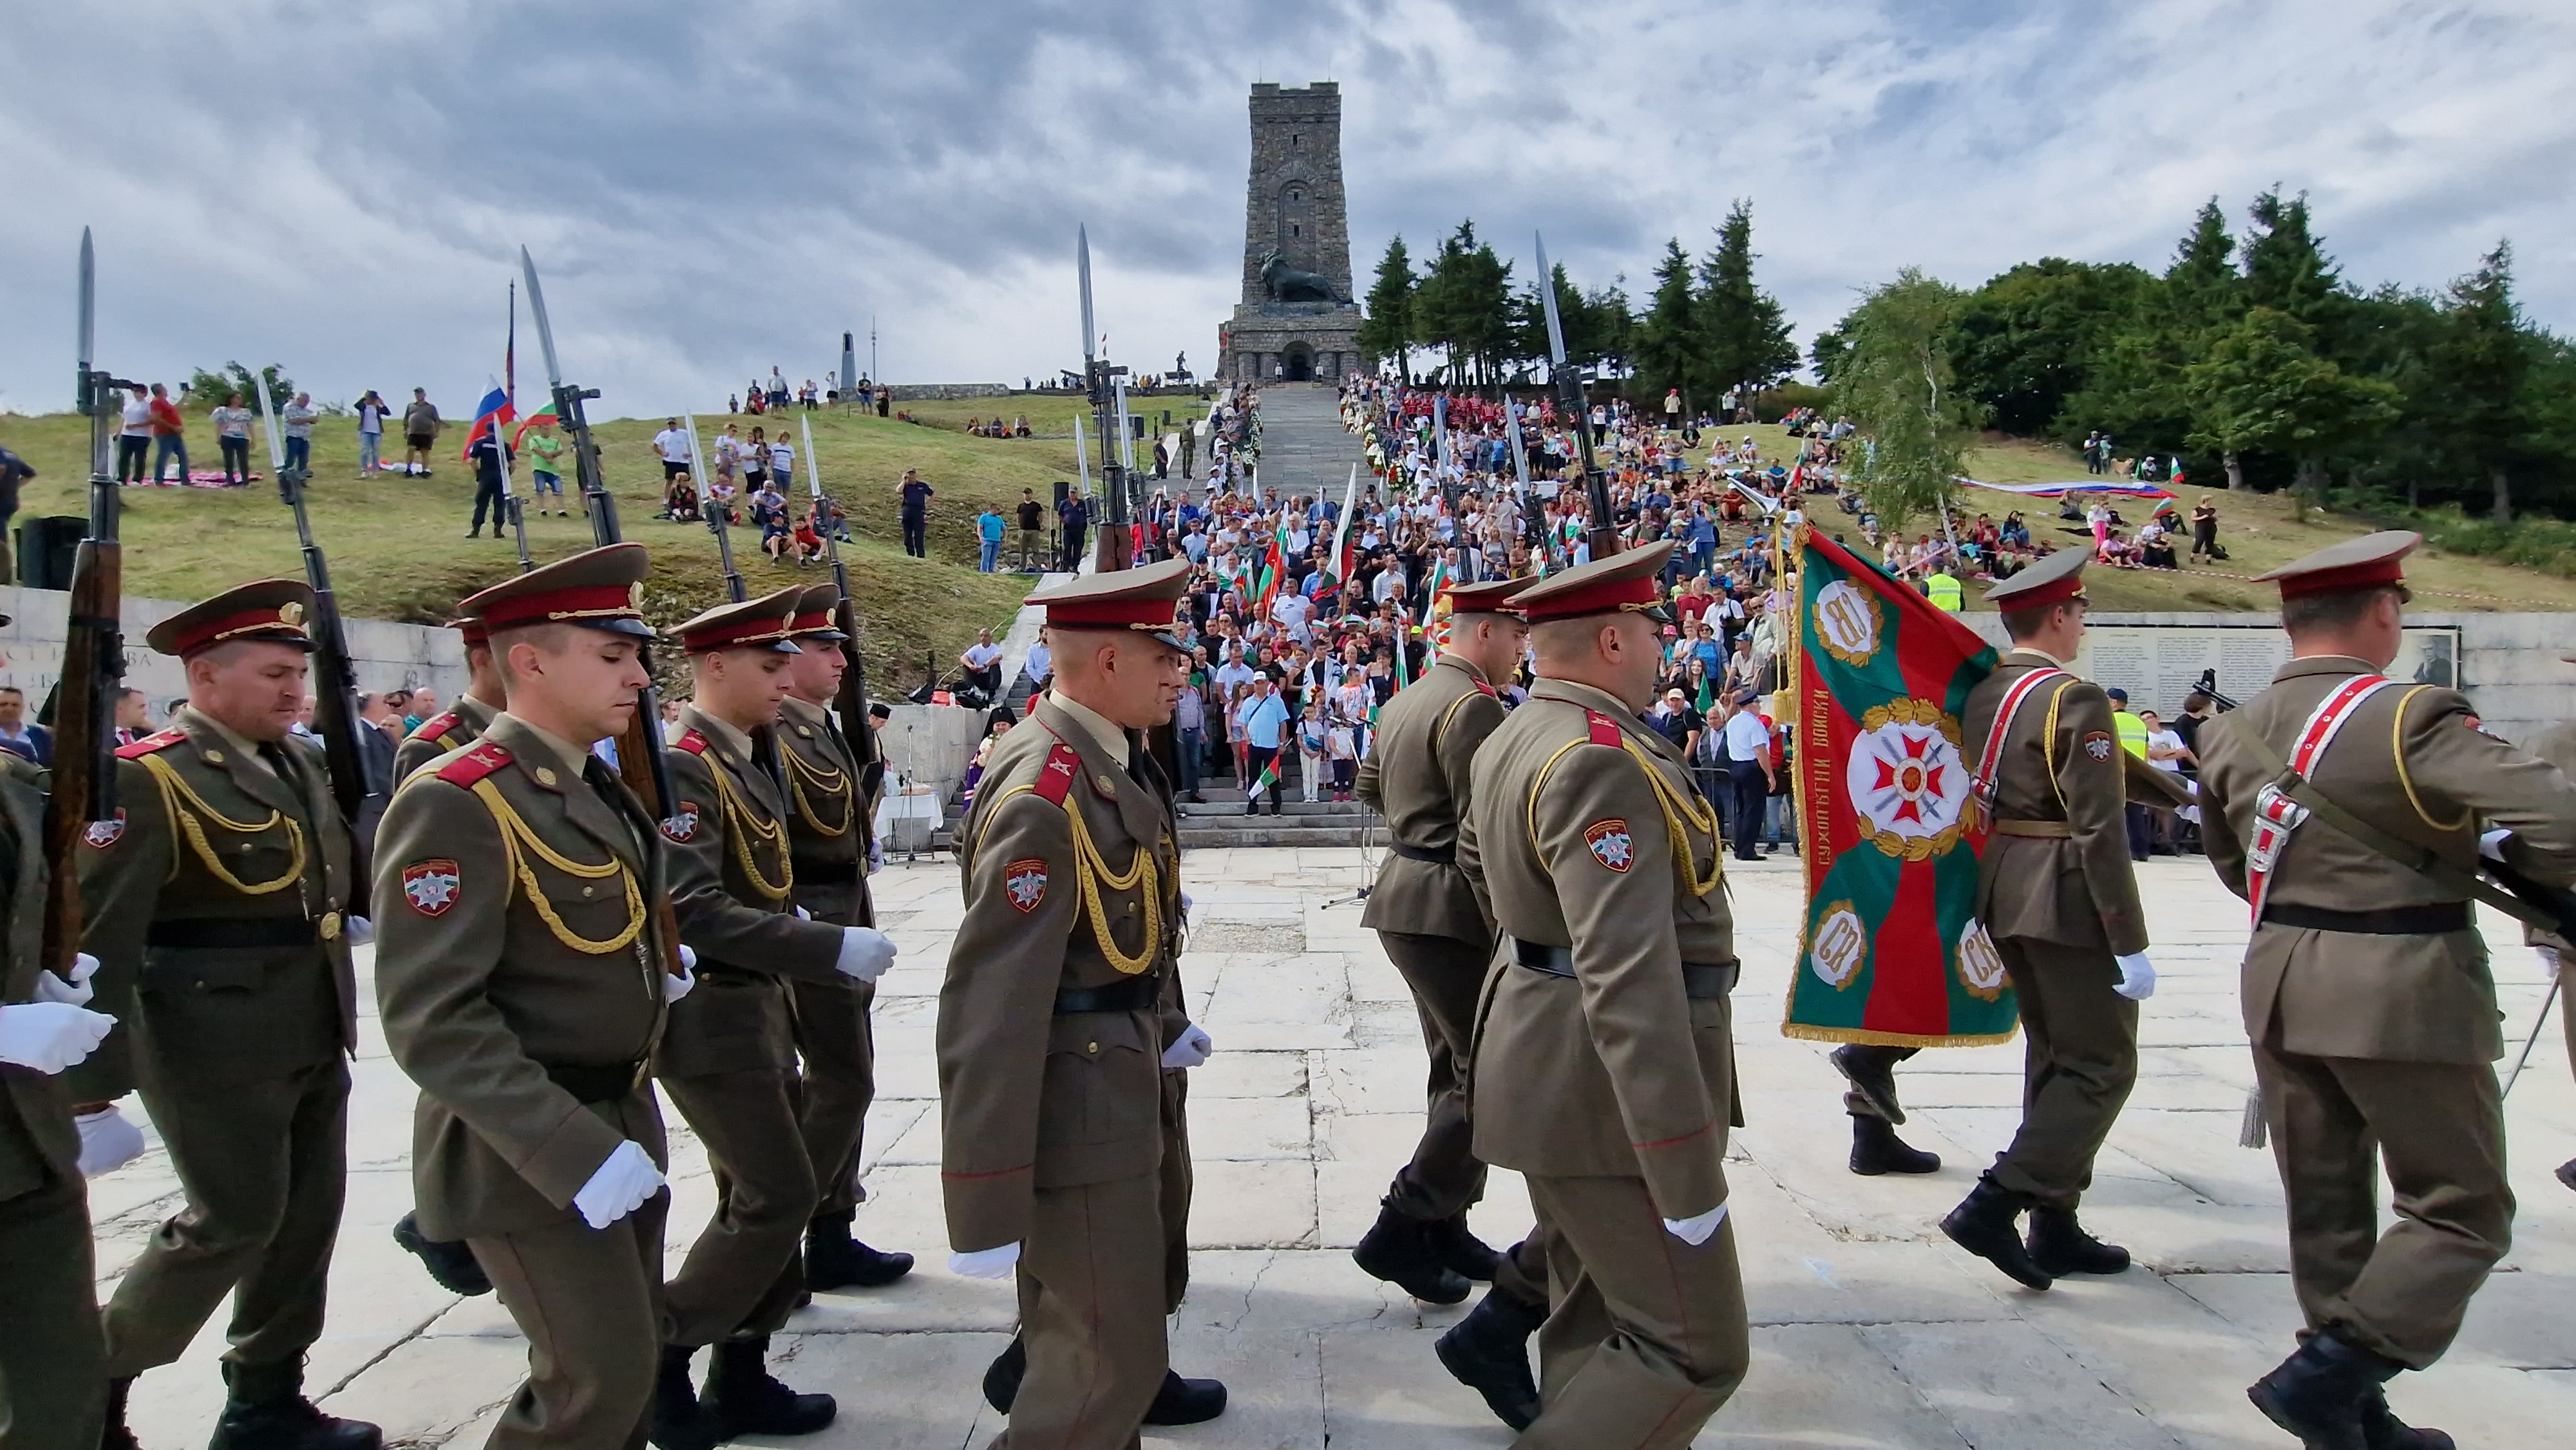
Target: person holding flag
[[485, 449], [1262, 721]]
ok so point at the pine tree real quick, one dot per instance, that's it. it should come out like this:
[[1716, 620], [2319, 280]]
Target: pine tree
[[2263, 385], [1388, 331], [2285, 267], [1743, 334], [2481, 361], [1668, 336]]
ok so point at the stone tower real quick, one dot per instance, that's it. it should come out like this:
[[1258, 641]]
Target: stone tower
[[1296, 321]]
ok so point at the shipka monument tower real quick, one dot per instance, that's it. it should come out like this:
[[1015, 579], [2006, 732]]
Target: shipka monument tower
[[1296, 321]]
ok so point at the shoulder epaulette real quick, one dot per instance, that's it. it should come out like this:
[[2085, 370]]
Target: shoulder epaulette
[[150, 744], [1056, 778], [472, 765], [1605, 731], [1486, 689], [435, 726], [692, 742]]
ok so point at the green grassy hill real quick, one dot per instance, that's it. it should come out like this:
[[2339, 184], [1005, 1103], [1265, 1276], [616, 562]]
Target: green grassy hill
[[398, 551]]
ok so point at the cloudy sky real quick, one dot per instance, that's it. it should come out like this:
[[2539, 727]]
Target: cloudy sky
[[711, 189]]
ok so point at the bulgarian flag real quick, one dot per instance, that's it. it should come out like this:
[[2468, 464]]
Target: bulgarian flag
[[1274, 566], [1891, 951], [1267, 780], [544, 417]]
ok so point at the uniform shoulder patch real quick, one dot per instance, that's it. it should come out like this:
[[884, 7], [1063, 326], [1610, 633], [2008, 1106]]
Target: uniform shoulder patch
[[2480, 726], [433, 886], [692, 742], [436, 726], [2099, 744], [1057, 776], [473, 766], [150, 744], [1611, 844], [1605, 731], [1025, 883], [103, 834], [682, 826]]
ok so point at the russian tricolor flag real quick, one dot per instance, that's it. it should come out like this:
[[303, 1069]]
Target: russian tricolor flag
[[492, 413]]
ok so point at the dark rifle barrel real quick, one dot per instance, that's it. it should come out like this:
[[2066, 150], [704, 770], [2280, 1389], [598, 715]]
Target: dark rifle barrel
[[84, 772], [335, 681], [852, 700], [737, 590], [1603, 536]]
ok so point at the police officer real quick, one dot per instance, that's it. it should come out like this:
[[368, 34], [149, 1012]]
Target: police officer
[[1056, 1025], [218, 901], [2351, 810], [829, 825], [2056, 893], [1604, 1071], [522, 984], [51, 1389], [728, 1057]]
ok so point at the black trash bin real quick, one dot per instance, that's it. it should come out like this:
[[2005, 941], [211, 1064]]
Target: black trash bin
[[46, 546]]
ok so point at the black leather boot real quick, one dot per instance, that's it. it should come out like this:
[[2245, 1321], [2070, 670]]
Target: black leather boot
[[1401, 1251], [1002, 1377], [265, 1409], [2567, 1172], [746, 1399], [112, 1434], [1987, 1223], [2382, 1430], [1876, 1149], [2317, 1393], [1488, 1352], [2060, 1246], [1467, 1255], [449, 1262], [1179, 1402], [679, 1421], [834, 1260], [1872, 1075]]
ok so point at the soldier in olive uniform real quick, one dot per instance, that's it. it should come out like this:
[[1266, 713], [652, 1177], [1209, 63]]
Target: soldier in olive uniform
[[2557, 745], [523, 983], [728, 1057], [51, 1388], [1604, 1071], [2351, 810], [217, 901], [2057, 894], [1057, 1025], [828, 824]]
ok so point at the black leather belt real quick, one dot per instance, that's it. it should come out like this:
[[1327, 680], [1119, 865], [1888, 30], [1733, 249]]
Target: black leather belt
[[604, 1083], [825, 873], [1136, 994], [1698, 979], [208, 933], [2431, 919], [1424, 853]]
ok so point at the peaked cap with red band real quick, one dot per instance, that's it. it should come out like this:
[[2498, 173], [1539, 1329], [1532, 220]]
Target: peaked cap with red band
[[767, 623], [817, 614], [2054, 579], [1628, 582], [2363, 563], [1492, 597], [471, 629], [275, 610], [1140, 599], [595, 589]]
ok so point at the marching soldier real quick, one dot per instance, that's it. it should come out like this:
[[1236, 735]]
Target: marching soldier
[[1604, 1071], [2351, 811], [1057, 1025], [448, 1261], [2557, 745], [2058, 896], [1875, 1112], [51, 1388], [523, 987], [828, 824], [218, 901], [728, 1056], [1435, 931]]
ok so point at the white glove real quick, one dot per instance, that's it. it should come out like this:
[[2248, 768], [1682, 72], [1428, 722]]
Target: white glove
[[986, 1263], [76, 992], [688, 957], [2188, 813], [1186, 904], [865, 953], [2137, 977], [876, 858], [2548, 958], [1695, 1231], [803, 915], [50, 1036], [108, 1142], [358, 930], [674, 988], [619, 1186], [1189, 1049], [2191, 787], [2491, 844]]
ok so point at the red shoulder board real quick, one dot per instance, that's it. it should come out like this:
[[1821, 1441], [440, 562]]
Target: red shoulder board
[[1062, 765], [1605, 731], [1483, 688], [437, 725], [693, 742], [473, 765], [150, 744]]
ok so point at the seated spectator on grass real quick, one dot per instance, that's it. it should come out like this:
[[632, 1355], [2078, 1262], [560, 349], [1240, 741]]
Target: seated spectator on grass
[[680, 498]]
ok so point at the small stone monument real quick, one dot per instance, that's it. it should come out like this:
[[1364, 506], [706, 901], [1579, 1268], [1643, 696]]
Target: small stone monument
[[1297, 322]]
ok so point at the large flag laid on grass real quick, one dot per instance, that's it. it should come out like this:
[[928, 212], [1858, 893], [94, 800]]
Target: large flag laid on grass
[[1891, 951]]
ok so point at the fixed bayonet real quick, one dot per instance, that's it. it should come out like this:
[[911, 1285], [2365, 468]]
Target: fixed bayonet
[[1603, 536]]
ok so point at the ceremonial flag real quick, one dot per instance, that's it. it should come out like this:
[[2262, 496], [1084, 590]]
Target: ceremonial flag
[[493, 413], [1342, 528], [1891, 951], [1268, 779], [544, 417]]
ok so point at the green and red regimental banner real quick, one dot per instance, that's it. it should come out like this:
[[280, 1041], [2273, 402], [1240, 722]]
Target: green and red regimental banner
[[1890, 950]]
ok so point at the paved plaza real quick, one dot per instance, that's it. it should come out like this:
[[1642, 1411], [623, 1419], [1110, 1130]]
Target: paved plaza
[[1870, 1328]]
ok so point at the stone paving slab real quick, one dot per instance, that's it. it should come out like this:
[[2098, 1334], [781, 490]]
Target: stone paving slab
[[1870, 1329]]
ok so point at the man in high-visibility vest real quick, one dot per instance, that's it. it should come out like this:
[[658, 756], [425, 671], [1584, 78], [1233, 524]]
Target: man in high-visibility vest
[[1944, 589], [2133, 739]]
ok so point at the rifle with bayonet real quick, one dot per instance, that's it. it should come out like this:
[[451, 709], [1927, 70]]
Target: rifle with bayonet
[[718, 516], [93, 674], [639, 749], [1112, 546], [1603, 535], [335, 677], [852, 701]]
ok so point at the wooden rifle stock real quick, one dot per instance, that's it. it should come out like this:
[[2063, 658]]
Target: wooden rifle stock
[[335, 688], [84, 784]]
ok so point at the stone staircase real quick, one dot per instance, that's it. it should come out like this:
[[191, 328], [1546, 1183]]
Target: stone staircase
[[1221, 822], [1304, 448]]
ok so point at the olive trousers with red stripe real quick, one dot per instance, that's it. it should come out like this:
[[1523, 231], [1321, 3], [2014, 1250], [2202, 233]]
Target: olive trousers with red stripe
[[1648, 1336], [1092, 1286]]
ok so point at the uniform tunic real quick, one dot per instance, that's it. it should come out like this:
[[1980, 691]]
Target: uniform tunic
[[2378, 1045], [828, 824], [452, 729], [1610, 1087]]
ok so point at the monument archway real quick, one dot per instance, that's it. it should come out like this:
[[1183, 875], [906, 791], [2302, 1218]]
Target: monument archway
[[1298, 362]]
